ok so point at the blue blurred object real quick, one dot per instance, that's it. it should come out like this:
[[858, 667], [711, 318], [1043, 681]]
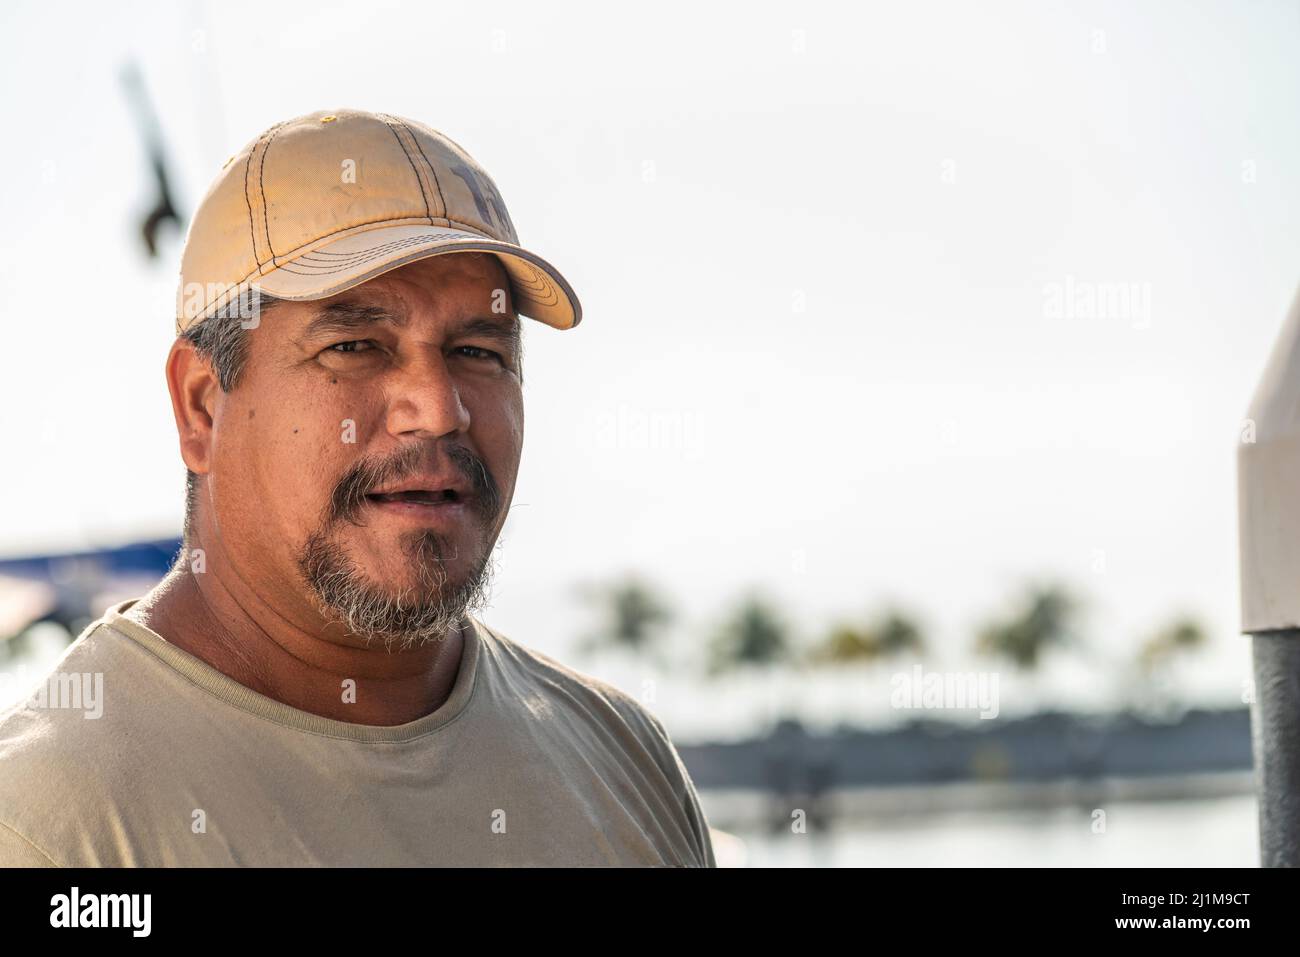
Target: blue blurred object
[[74, 588], [142, 558]]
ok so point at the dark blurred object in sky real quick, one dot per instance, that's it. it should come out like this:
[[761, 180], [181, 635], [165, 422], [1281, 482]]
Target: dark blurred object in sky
[[164, 209]]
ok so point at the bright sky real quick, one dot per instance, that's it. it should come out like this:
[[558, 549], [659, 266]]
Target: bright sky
[[817, 250]]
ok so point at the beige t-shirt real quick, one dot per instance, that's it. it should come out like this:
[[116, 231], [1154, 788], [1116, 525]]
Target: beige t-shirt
[[165, 761]]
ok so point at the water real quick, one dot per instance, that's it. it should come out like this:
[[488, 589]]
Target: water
[[1202, 832]]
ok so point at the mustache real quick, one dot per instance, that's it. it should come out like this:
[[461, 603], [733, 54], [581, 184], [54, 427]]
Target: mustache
[[349, 495]]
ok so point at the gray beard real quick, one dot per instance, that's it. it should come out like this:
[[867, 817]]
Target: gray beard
[[410, 618]]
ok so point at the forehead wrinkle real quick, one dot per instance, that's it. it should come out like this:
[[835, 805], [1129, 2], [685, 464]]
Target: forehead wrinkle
[[349, 315]]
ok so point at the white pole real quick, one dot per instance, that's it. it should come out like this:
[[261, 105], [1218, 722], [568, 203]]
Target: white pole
[[1268, 501]]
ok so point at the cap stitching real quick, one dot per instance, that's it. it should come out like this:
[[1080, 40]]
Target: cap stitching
[[293, 253], [264, 138], [426, 183], [261, 166], [357, 258], [344, 258], [252, 220], [407, 153], [436, 182], [538, 290]]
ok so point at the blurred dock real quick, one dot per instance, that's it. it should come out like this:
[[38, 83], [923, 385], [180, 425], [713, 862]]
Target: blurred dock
[[927, 767]]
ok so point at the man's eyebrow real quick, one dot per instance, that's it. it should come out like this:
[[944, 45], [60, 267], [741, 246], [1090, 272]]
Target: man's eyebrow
[[349, 317], [507, 333]]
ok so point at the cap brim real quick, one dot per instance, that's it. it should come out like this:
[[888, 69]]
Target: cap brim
[[538, 289]]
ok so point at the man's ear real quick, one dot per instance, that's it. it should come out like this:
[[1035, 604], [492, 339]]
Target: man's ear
[[193, 386]]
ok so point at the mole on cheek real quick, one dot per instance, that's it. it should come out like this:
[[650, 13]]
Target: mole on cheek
[[252, 412], [295, 431]]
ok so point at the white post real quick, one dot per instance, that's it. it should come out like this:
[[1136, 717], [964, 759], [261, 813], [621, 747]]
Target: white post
[[1268, 501]]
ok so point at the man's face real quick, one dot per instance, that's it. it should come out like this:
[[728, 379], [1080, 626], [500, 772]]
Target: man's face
[[364, 463]]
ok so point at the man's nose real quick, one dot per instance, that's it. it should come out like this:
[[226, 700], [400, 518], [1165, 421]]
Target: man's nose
[[425, 398]]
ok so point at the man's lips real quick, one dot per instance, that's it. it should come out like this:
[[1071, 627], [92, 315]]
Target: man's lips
[[424, 488], [444, 507]]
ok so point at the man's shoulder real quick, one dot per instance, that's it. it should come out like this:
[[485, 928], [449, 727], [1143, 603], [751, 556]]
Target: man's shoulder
[[556, 677], [643, 732], [51, 712], [57, 743]]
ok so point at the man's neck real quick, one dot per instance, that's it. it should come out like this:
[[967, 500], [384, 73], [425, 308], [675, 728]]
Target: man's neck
[[234, 631]]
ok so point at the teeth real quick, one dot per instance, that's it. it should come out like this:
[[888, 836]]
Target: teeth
[[447, 496], [420, 497]]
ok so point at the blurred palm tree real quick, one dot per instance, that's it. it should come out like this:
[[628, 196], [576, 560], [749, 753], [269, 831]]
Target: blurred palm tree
[[632, 618], [15, 647], [755, 634], [898, 633], [1150, 681], [1182, 635], [1045, 620], [893, 632]]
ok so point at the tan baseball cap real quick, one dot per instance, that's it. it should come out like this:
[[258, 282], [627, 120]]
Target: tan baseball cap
[[321, 203]]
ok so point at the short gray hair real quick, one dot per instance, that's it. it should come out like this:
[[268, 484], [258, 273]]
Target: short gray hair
[[222, 340]]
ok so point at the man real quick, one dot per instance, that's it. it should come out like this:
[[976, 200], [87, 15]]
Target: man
[[307, 685]]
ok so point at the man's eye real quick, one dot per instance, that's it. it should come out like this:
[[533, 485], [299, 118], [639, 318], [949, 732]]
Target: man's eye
[[350, 346], [484, 353]]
